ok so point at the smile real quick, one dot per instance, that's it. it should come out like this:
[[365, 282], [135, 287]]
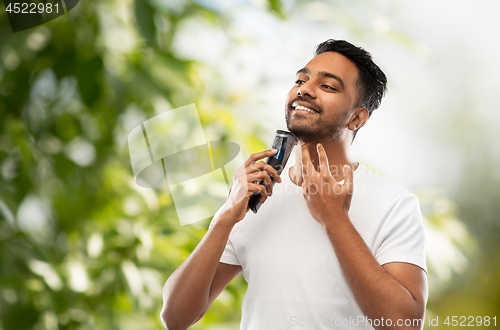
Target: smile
[[297, 107]]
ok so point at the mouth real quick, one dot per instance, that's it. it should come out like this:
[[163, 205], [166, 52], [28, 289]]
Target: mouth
[[299, 108]]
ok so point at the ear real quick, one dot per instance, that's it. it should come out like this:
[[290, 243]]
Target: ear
[[358, 118]]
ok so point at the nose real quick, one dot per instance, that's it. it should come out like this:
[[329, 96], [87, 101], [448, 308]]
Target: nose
[[306, 89]]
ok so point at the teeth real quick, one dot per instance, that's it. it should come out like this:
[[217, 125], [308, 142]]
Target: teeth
[[299, 107]]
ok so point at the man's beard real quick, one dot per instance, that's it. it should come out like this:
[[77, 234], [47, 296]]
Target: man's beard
[[314, 131]]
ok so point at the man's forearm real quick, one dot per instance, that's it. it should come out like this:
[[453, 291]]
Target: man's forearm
[[378, 294], [186, 292]]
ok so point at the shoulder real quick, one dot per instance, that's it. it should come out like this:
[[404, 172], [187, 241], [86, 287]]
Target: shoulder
[[381, 195], [370, 182]]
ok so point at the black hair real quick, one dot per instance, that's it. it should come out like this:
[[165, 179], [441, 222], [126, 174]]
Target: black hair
[[372, 81]]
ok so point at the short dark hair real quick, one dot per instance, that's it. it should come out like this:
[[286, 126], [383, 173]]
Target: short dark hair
[[372, 81]]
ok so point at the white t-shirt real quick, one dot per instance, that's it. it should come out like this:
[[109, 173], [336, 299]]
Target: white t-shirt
[[294, 277]]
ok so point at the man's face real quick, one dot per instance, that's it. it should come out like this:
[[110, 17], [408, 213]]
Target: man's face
[[327, 87]]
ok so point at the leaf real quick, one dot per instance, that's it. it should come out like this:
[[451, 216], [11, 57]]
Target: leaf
[[145, 15], [276, 7]]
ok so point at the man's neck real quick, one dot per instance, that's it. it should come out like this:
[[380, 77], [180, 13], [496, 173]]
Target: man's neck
[[337, 154]]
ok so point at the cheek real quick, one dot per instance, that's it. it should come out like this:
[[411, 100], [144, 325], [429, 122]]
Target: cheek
[[339, 105]]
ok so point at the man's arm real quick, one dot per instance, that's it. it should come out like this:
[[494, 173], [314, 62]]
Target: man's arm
[[396, 291], [191, 289]]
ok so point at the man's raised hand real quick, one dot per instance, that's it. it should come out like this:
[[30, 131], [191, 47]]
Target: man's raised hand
[[325, 197]]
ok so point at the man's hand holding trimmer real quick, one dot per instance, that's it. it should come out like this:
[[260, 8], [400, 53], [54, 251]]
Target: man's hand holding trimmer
[[246, 183]]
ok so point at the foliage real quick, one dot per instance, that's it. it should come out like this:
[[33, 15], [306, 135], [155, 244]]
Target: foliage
[[81, 245]]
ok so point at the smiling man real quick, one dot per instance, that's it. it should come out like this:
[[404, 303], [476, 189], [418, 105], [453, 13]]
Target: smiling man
[[336, 245]]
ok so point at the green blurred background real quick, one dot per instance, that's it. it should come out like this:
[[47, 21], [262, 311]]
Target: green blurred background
[[83, 247]]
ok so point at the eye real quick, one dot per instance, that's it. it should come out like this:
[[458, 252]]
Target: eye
[[329, 87], [299, 82]]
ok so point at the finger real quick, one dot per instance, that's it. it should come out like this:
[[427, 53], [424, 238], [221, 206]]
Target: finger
[[305, 192], [252, 172], [306, 157], [262, 199], [259, 176], [259, 155], [305, 178], [269, 184], [262, 191], [273, 172], [263, 176], [257, 188], [349, 179], [261, 166], [324, 165], [306, 160]]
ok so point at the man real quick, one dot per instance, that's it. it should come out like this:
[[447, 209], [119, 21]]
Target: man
[[336, 246]]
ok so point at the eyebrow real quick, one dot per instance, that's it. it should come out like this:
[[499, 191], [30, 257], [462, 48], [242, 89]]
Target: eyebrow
[[324, 74]]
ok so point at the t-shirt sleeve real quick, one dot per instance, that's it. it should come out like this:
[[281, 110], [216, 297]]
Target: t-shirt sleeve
[[404, 239], [229, 255]]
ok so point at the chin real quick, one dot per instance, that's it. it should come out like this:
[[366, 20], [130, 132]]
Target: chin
[[305, 132], [305, 135], [309, 134]]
